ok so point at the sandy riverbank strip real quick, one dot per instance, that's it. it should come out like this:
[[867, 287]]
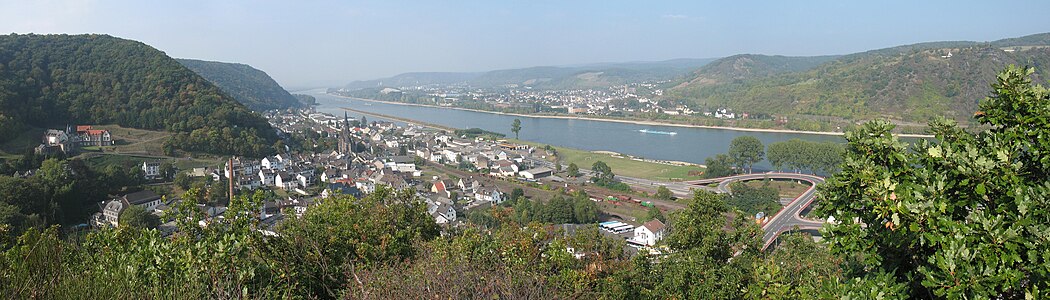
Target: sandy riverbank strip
[[636, 122], [399, 119]]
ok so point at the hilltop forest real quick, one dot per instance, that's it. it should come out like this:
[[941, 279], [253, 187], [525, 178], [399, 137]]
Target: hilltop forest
[[250, 86], [55, 80]]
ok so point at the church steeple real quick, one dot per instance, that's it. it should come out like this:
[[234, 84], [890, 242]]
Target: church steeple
[[346, 140]]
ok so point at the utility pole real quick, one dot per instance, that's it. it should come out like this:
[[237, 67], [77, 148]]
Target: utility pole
[[231, 178]]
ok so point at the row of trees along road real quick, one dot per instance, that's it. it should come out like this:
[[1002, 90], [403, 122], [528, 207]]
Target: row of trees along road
[[800, 155], [795, 154]]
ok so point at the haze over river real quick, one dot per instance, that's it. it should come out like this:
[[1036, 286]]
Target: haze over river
[[689, 144]]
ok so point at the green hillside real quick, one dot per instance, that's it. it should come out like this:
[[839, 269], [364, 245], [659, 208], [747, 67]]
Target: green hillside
[[250, 86], [55, 80], [746, 66], [910, 83]]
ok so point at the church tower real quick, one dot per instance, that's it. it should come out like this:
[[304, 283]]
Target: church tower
[[346, 141]]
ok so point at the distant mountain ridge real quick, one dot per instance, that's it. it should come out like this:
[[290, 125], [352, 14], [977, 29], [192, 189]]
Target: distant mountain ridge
[[576, 76], [910, 83], [250, 86]]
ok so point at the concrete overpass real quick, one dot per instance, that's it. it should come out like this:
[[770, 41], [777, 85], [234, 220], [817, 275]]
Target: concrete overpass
[[789, 217]]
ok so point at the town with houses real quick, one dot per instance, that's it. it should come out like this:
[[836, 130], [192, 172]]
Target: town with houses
[[367, 156], [618, 100]]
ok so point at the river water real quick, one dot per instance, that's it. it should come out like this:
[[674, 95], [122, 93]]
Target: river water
[[689, 144]]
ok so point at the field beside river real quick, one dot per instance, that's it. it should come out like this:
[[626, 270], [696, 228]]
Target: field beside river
[[622, 165]]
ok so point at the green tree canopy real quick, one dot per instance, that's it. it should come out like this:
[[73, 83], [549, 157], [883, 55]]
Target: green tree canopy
[[664, 193], [573, 170], [752, 200], [603, 174], [137, 217], [699, 262], [745, 151], [515, 127], [800, 155], [962, 217], [719, 165]]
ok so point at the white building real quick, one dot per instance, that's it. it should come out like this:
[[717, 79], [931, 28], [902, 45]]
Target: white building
[[151, 169], [285, 181], [272, 163], [649, 233]]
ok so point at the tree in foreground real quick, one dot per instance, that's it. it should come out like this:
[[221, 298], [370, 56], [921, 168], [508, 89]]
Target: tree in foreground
[[705, 260], [745, 151], [963, 217]]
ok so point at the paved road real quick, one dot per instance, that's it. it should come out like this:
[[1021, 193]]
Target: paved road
[[680, 189], [788, 218]]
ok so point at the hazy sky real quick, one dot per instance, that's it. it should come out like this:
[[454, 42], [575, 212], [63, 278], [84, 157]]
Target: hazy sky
[[306, 43]]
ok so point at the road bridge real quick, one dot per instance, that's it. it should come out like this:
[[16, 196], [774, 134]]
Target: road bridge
[[789, 217]]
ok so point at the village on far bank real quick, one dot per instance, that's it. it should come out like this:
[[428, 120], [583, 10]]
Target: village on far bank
[[455, 172]]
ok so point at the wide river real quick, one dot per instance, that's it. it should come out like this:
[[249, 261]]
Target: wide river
[[689, 144]]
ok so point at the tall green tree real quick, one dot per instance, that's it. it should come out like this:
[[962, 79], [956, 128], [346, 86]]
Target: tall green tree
[[664, 193], [746, 151], [168, 170], [719, 165], [515, 127], [573, 170], [517, 193], [964, 217], [778, 154], [603, 174]]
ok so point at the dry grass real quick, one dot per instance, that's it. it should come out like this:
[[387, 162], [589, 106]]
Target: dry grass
[[135, 141], [786, 189]]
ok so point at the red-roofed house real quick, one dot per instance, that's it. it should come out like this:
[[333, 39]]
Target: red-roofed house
[[93, 137]]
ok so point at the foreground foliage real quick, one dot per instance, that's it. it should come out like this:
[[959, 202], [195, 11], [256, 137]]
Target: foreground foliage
[[965, 217]]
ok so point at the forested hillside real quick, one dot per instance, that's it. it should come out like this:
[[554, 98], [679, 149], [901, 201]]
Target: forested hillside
[[747, 66], [250, 86], [54, 80], [907, 83]]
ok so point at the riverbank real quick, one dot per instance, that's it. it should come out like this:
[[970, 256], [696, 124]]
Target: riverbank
[[636, 122], [400, 119], [625, 165]]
